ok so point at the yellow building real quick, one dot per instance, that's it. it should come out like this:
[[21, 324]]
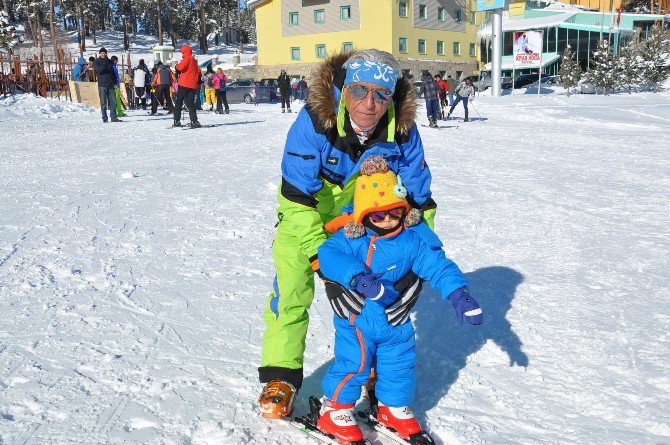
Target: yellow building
[[434, 35]]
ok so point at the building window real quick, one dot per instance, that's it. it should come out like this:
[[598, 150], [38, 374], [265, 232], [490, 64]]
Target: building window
[[457, 48], [347, 47], [422, 46], [440, 14], [320, 16], [402, 9], [440, 47], [345, 12], [457, 16], [293, 19], [423, 15], [472, 17], [473, 50], [295, 53], [320, 51], [402, 45]]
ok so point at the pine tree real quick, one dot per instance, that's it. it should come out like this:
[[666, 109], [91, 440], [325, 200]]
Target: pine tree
[[602, 73], [7, 36], [628, 66], [655, 53], [570, 71]]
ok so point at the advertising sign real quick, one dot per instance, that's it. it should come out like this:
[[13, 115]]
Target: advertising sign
[[527, 48], [488, 5]]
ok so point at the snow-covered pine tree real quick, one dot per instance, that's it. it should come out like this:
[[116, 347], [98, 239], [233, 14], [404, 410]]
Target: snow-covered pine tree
[[655, 55], [7, 37], [570, 71], [601, 72], [628, 66]]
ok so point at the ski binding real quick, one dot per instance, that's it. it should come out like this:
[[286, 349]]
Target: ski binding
[[307, 424]]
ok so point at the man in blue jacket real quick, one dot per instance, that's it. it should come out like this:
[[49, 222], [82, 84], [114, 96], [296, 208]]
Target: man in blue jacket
[[359, 106], [104, 68]]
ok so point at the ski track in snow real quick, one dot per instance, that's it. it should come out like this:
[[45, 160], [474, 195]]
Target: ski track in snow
[[135, 263]]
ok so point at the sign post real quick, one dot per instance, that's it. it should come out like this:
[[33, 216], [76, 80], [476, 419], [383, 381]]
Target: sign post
[[497, 7]]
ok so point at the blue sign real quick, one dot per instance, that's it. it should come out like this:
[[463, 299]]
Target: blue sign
[[487, 5]]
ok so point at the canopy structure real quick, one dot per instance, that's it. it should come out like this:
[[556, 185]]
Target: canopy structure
[[528, 23]]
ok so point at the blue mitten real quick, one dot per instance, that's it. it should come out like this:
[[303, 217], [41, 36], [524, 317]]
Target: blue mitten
[[369, 285], [464, 304]]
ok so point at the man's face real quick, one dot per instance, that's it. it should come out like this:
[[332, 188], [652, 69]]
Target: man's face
[[103, 55], [365, 112]]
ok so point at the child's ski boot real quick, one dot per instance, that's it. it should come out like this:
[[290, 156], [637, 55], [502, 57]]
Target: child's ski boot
[[276, 400], [333, 420], [402, 421], [337, 420]]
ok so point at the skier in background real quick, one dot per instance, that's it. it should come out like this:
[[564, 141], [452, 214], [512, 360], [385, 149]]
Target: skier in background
[[465, 92], [117, 90], [220, 87], [161, 85], [374, 333], [430, 90], [210, 91], [104, 69], [79, 71], [188, 86], [444, 89], [302, 94]]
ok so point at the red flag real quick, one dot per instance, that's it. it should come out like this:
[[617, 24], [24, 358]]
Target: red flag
[[618, 17]]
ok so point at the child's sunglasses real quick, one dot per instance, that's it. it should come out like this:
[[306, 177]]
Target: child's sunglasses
[[380, 95], [396, 213]]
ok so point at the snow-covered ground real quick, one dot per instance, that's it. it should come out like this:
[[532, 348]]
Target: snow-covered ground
[[135, 262]]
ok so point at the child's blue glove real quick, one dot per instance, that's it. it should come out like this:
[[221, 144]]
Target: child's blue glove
[[464, 304], [368, 284]]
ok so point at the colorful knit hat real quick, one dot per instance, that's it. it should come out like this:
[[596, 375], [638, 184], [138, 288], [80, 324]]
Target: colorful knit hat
[[378, 189]]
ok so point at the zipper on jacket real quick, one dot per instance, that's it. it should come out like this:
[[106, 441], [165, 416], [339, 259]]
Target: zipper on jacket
[[371, 248]]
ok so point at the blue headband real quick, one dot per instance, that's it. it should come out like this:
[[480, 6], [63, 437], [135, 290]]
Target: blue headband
[[376, 73]]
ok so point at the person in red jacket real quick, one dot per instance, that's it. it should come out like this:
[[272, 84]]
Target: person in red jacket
[[188, 86], [444, 89]]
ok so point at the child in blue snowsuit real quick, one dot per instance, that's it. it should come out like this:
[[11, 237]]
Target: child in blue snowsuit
[[383, 243]]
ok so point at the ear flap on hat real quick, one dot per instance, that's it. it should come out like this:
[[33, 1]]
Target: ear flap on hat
[[354, 230], [413, 218]]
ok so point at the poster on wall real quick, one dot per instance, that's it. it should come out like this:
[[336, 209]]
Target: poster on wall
[[488, 5], [527, 48]]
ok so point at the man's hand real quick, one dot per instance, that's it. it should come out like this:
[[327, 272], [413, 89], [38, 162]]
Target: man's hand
[[343, 301]]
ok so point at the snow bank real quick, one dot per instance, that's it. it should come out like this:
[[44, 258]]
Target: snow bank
[[29, 105]]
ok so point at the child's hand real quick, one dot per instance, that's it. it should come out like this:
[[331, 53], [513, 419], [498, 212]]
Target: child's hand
[[368, 284], [464, 304]]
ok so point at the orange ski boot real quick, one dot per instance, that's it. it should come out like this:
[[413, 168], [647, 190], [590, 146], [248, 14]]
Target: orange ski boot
[[337, 420], [401, 420], [276, 400]]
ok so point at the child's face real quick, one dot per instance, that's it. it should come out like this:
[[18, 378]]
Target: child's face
[[386, 220]]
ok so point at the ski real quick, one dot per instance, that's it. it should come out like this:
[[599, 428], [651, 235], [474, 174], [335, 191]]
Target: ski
[[315, 433], [421, 438], [428, 126]]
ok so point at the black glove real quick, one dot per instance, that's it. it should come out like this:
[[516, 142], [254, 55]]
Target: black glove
[[342, 300], [409, 288]]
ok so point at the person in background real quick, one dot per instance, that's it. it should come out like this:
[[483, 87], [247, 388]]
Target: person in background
[[452, 87], [79, 71], [104, 69], [140, 79], [284, 90], [117, 90], [90, 71], [295, 87], [210, 90], [219, 81], [465, 92], [188, 87], [161, 84], [444, 89], [430, 90], [302, 85], [128, 82]]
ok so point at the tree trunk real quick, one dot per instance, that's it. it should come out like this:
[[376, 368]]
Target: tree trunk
[[202, 33], [52, 26], [160, 25], [95, 39]]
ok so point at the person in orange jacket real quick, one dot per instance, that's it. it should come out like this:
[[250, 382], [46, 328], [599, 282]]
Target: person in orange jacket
[[188, 86]]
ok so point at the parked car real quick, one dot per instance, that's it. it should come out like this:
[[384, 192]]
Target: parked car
[[247, 91], [545, 81], [485, 81], [417, 88], [585, 87], [273, 84], [525, 80]]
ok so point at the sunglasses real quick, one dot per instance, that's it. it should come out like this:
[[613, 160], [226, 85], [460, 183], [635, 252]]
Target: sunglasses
[[380, 95], [396, 213]]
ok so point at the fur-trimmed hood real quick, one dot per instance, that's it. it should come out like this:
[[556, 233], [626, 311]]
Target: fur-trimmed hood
[[330, 74]]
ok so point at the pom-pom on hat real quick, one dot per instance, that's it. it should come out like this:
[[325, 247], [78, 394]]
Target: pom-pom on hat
[[377, 189]]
